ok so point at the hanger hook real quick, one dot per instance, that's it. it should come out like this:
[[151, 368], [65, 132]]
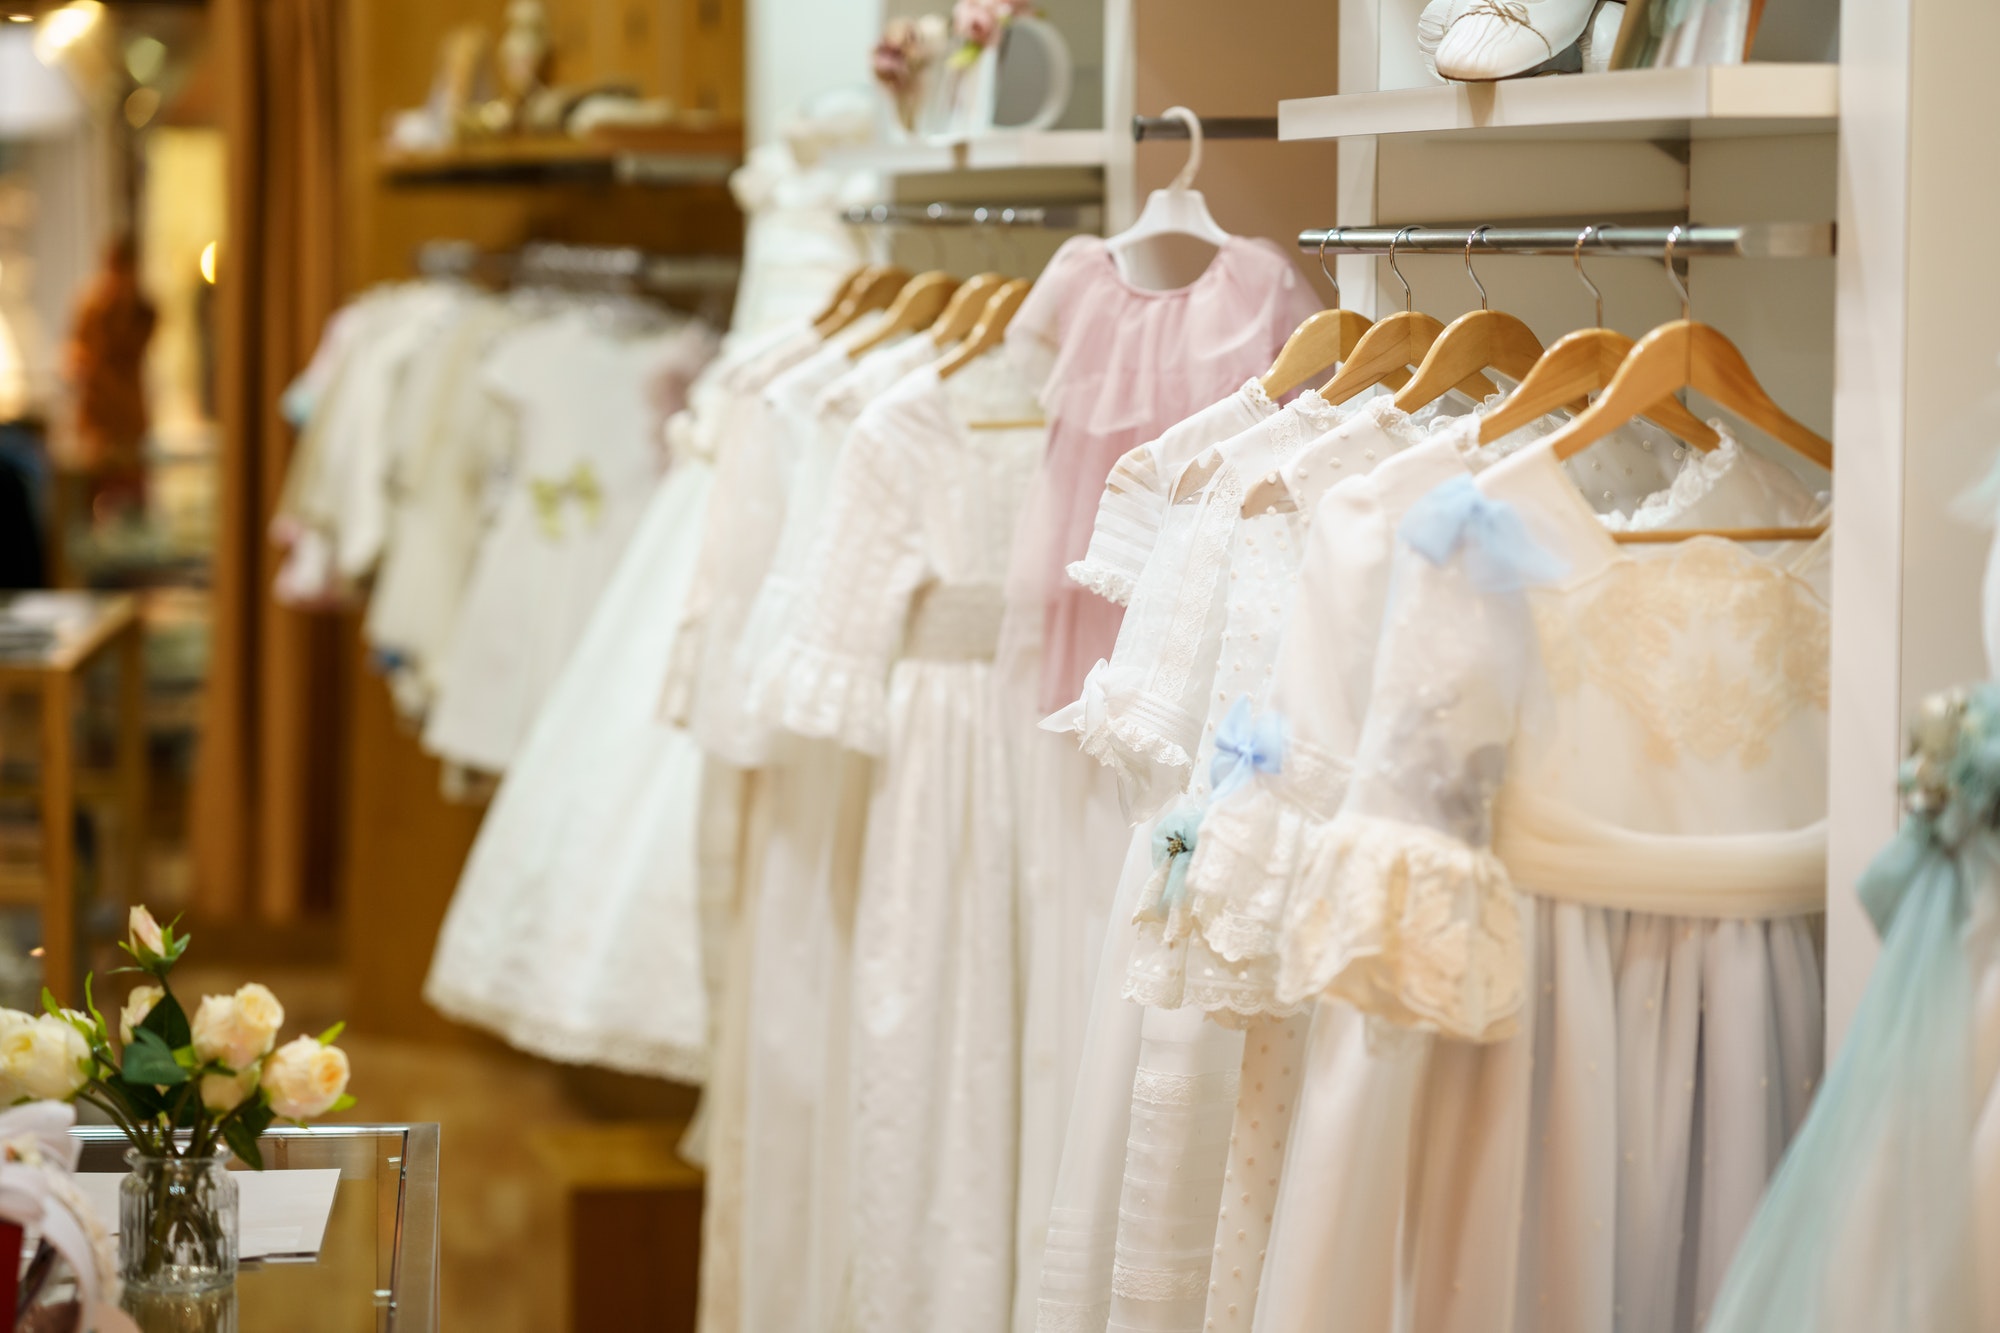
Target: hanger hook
[[1185, 180], [1470, 237], [1324, 237], [1576, 258], [1394, 241], [1673, 239]]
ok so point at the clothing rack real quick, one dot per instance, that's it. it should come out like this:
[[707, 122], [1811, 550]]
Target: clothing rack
[[1212, 127], [1756, 240], [556, 263], [1048, 217]]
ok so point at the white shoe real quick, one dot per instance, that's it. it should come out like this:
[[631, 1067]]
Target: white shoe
[[1498, 39], [1600, 35], [1431, 27]]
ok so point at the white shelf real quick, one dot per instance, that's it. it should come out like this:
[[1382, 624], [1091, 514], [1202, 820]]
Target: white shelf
[[992, 152], [1713, 101]]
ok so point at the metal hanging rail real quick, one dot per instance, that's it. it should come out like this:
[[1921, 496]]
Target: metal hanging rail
[[1212, 127], [1050, 217], [1755, 240]]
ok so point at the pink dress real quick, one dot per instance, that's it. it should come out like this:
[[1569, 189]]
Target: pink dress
[[1130, 363]]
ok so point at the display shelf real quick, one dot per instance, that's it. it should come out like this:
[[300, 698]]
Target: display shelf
[[1711, 101], [675, 156], [999, 151]]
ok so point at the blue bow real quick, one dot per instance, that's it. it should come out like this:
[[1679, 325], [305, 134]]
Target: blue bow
[[1244, 746], [1500, 554], [1174, 839]]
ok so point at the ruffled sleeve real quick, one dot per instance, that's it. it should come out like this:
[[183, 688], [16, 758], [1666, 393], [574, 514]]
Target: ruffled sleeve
[[828, 677], [1402, 908], [1128, 523]]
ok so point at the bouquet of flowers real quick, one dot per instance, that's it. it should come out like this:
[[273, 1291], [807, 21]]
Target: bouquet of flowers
[[903, 60], [177, 1087], [979, 23]]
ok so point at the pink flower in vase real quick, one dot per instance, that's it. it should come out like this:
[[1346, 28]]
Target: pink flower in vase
[[977, 21]]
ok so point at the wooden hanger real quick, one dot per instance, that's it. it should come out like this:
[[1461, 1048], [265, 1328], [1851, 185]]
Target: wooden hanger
[[967, 304], [1687, 354], [986, 334], [1577, 365], [916, 307], [1394, 343], [872, 291], [1479, 340], [840, 291], [1324, 340]]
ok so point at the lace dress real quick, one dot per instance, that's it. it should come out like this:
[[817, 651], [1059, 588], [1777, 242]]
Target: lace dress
[[1072, 838], [1152, 1113], [814, 798], [1637, 741], [890, 654], [574, 932]]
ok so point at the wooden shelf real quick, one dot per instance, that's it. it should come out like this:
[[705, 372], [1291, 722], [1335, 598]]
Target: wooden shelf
[[680, 156], [1713, 101], [1000, 151]]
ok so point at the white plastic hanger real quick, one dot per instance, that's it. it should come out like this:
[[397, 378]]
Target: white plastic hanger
[[1176, 211]]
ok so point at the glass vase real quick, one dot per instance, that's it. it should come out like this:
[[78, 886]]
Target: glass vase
[[177, 1224]]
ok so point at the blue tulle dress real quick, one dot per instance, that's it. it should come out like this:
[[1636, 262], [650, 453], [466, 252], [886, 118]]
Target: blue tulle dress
[[1871, 1222]]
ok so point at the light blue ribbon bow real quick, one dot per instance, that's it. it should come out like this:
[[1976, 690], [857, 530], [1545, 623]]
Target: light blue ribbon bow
[[1499, 553], [1174, 839], [1244, 745]]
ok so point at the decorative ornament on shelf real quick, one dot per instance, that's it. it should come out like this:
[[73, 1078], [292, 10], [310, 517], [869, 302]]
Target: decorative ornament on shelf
[[1008, 60], [185, 1092], [1478, 41], [904, 63]]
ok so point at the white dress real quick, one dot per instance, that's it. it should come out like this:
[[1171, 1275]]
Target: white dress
[[457, 445], [1157, 1088], [891, 655], [588, 464], [1073, 837], [796, 1211], [1637, 740], [575, 932]]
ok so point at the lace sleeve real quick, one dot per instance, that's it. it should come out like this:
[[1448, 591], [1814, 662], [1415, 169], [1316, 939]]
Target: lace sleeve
[[1402, 907], [828, 677]]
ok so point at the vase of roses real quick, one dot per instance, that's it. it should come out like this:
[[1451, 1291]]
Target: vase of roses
[[187, 1092], [968, 98]]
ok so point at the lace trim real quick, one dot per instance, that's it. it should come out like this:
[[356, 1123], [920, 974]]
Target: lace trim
[[1253, 389], [1113, 585], [1409, 924], [552, 1040], [1124, 746], [1208, 557], [813, 692], [1063, 1317], [1159, 1284], [1698, 477], [1161, 1089]]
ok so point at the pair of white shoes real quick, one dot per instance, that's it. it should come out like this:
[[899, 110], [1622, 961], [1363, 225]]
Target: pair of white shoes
[[1478, 40]]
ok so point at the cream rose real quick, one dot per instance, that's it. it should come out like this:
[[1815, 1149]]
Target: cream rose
[[305, 1078], [237, 1029], [47, 1057], [145, 932], [137, 1005], [223, 1093]]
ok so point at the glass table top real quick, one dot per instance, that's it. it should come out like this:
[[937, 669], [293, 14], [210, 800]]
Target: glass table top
[[377, 1267]]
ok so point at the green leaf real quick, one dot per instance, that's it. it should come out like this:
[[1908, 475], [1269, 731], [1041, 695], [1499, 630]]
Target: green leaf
[[143, 1101], [89, 1003], [332, 1034], [149, 1060], [49, 1004], [242, 1141], [170, 1021], [344, 1102]]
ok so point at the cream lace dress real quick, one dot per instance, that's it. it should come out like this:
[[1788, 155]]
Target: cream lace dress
[[1582, 842], [891, 655]]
